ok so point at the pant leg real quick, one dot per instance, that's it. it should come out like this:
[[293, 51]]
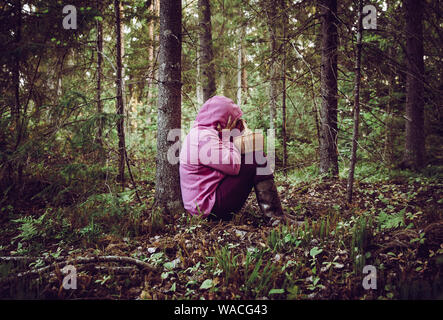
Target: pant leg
[[233, 191]]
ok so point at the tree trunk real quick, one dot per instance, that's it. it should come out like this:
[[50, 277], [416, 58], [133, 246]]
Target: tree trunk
[[167, 193], [242, 82], [283, 71], [328, 112], [356, 103], [16, 108], [199, 88], [206, 53], [271, 14], [152, 59], [119, 101], [244, 75], [414, 155], [99, 76], [388, 150], [16, 70], [123, 73], [239, 75], [222, 83]]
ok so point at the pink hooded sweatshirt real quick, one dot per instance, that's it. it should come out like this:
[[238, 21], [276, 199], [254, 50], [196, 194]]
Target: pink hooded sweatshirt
[[205, 159]]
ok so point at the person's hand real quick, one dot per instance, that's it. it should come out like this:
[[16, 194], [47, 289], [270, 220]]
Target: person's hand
[[229, 125], [241, 124]]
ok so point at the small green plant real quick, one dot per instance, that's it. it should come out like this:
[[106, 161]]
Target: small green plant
[[91, 232], [321, 228], [315, 284], [313, 253], [284, 239], [30, 227], [420, 239], [193, 222], [103, 280], [359, 242], [259, 279], [294, 292], [157, 222], [157, 258], [116, 213], [226, 261], [207, 284], [20, 251], [391, 221]]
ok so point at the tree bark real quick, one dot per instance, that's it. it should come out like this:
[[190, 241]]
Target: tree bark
[[242, 81], [16, 109], [283, 72], [119, 100], [168, 193], [199, 88], [99, 76], [244, 75], [272, 15], [388, 150], [328, 112], [239, 74], [356, 103], [414, 155], [152, 53], [206, 51]]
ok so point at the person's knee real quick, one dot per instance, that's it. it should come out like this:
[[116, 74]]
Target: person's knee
[[248, 171]]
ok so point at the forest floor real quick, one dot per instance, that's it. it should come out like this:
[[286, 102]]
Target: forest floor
[[395, 226]]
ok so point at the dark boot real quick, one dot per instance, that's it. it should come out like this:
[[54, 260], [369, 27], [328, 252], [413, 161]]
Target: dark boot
[[269, 201]]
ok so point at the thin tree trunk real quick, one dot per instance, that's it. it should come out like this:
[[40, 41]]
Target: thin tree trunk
[[152, 54], [356, 103], [388, 152], [271, 14], [16, 70], [199, 87], [206, 51], [414, 155], [244, 75], [167, 192], [283, 71], [119, 101], [16, 108], [328, 113], [99, 77], [239, 75], [242, 82], [222, 82], [123, 73]]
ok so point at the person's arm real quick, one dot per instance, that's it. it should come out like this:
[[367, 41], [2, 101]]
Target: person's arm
[[220, 154], [248, 141]]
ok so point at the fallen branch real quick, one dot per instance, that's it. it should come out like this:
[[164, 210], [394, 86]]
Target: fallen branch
[[74, 261], [28, 258]]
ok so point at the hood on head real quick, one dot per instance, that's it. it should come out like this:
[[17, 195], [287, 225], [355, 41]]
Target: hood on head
[[217, 110]]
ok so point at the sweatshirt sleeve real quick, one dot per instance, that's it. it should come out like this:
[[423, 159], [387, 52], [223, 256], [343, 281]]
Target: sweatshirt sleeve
[[219, 154]]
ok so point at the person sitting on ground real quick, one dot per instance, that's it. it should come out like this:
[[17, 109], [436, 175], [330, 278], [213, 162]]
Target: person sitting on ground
[[219, 165]]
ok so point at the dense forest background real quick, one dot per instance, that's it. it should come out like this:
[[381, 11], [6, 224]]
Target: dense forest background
[[85, 113]]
